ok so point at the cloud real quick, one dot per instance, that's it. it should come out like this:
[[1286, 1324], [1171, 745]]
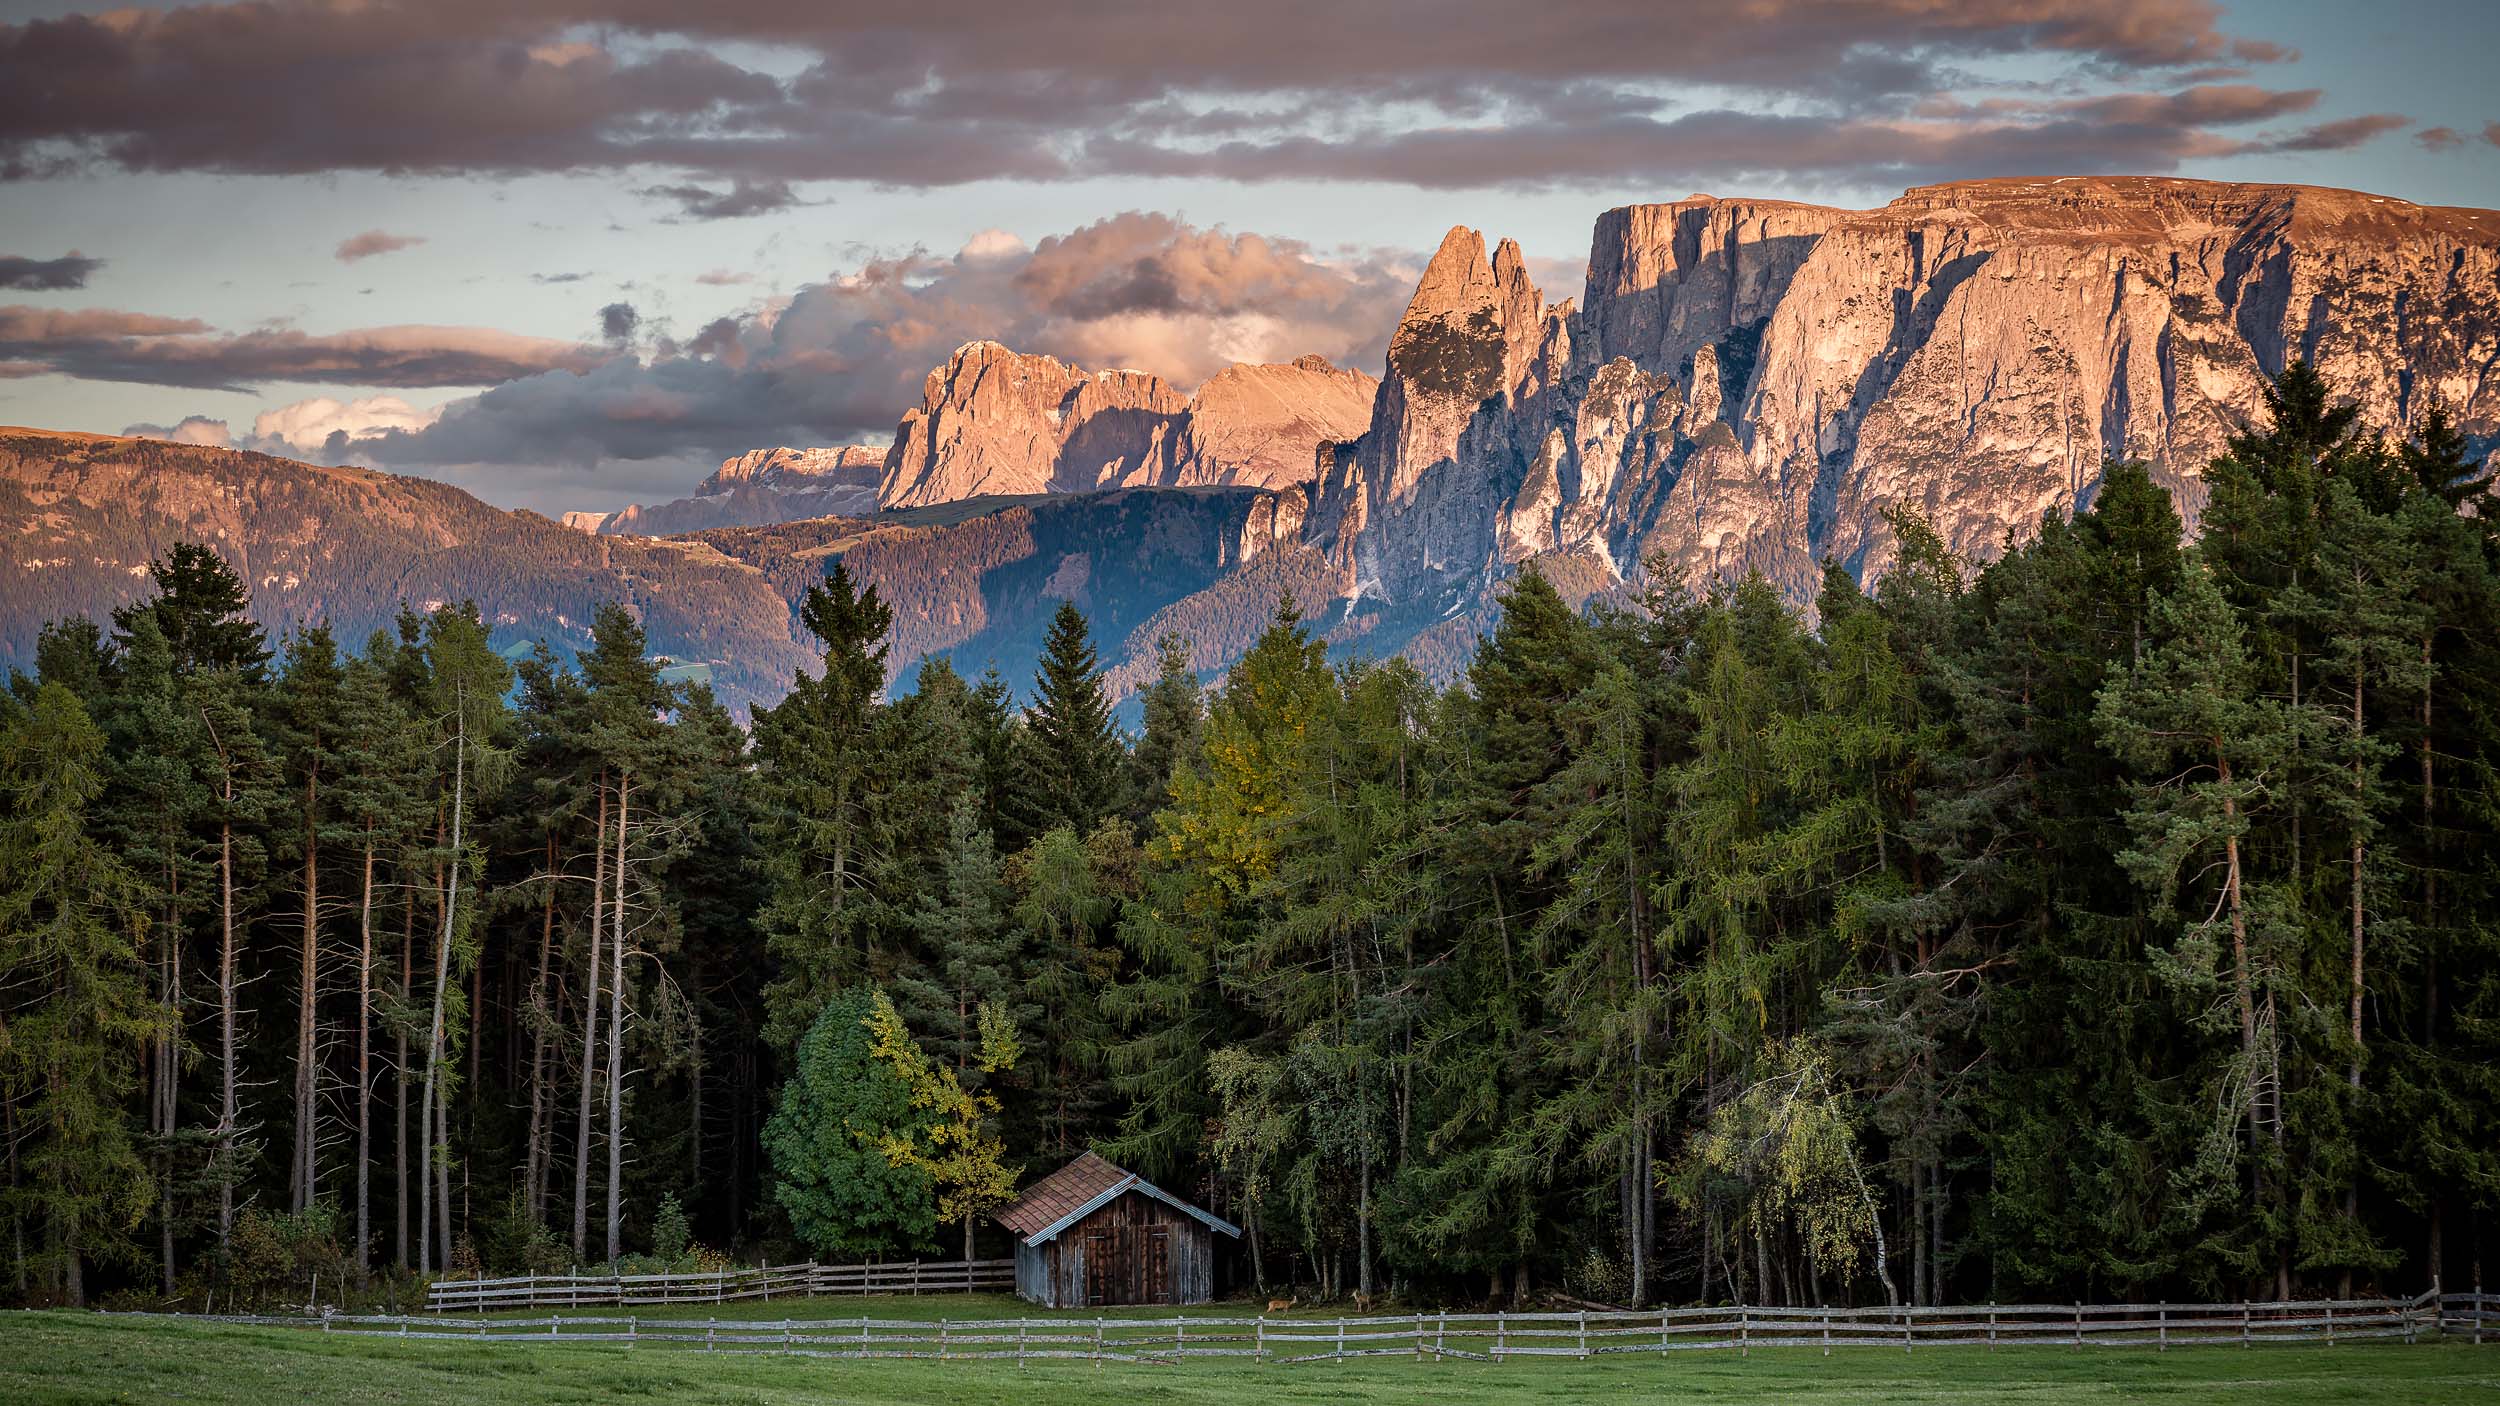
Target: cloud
[[558, 277], [104, 344], [723, 278], [191, 429], [2491, 133], [372, 242], [842, 359], [740, 101], [23, 275], [2335, 136], [2440, 138], [743, 198], [617, 322], [309, 425]]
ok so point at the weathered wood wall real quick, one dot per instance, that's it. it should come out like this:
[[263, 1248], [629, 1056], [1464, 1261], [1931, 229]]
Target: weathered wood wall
[[1134, 1250]]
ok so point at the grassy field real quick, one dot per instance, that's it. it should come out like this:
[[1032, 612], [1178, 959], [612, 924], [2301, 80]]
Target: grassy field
[[64, 1357]]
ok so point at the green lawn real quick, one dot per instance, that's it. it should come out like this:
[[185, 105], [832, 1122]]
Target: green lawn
[[63, 1357]]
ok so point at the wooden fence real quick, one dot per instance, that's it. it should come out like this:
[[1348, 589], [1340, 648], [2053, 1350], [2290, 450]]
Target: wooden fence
[[789, 1281], [1488, 1337]]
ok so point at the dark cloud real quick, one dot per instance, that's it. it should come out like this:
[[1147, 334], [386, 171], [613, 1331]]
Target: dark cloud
[[2334, 136], [103, 344], [989, 89], [617, 322], [723, 278], [372, 242], [23, 275], [842, 359], [2491, 133], [558, 277], [2440, 138], [742, 198]]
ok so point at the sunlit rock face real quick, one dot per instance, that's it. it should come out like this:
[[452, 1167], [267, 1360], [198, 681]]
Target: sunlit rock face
[[997, 421], [758, 487], [1747, 385]]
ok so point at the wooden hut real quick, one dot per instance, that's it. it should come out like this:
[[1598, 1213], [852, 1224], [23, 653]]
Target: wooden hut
[[1092, 1233]]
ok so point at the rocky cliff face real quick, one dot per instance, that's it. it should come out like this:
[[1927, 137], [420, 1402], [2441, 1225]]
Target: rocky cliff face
[[1748, 384], [998, 422]]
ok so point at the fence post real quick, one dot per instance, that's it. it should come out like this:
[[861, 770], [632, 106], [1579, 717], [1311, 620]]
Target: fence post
[[1019, 1344], [915, 1278], [1180, 1335], [1584, 1335], [1827, 1329], [2330, 1322], [1258, 1341], [1744, 1332], [1419, 1335], [1341, 1340], [633, 1327], [942, 1326], [1441, 1333], [2078, 1325], [2478, 1310], [1097, 1342], [2244, 1314], [555, 1322], [1501, 1333], [1992, 1325], [785, 1335], [1909, 1322], [2161, 1328]]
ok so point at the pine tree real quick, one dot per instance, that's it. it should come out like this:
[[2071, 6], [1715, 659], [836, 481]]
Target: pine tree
[[465, 684], [375, 799], [1174, 711], [2188, 716], [1072, 891], [305, 709], [1077, 751], [242, 782], [204, 612], [72, 921], [817, 762]]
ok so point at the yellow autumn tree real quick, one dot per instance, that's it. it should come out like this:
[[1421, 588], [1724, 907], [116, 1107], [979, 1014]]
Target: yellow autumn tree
[[954, 1143]]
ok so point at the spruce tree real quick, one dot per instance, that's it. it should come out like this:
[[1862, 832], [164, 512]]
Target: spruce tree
[[818, 764], [1077, 753]]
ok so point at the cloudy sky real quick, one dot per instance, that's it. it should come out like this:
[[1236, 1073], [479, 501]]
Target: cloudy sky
[[569, 253]]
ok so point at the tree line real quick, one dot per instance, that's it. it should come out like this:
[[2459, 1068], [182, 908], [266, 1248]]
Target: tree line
[[2106, 920]]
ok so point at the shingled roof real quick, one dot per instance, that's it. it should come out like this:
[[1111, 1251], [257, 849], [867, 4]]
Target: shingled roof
[[1069, 1194]]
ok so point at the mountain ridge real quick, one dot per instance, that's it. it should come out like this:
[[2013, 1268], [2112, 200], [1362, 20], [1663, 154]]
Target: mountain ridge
[[1744, 385]]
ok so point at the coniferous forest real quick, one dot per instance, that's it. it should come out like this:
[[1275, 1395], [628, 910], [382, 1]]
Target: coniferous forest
[[2113, 919]]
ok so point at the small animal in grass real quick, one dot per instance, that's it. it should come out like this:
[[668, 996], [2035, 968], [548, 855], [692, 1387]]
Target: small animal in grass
[[1280, 1305], [1365, 1303]]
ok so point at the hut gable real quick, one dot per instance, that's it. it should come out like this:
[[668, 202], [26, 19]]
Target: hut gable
[[1095, 1233]]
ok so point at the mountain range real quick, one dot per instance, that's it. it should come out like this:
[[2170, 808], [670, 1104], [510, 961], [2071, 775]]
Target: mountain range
[[1743, 385]]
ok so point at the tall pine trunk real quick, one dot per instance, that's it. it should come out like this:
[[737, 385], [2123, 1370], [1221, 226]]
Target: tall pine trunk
[[301, 1176], [616, 1030], [364, 1065], [534, 1175], [229, 1112], [590, 1028], [442, 978], [399, 1064]]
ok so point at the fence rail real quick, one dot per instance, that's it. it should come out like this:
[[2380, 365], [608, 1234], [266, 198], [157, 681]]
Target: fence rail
[[1491, 1337], [789, 1281]]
